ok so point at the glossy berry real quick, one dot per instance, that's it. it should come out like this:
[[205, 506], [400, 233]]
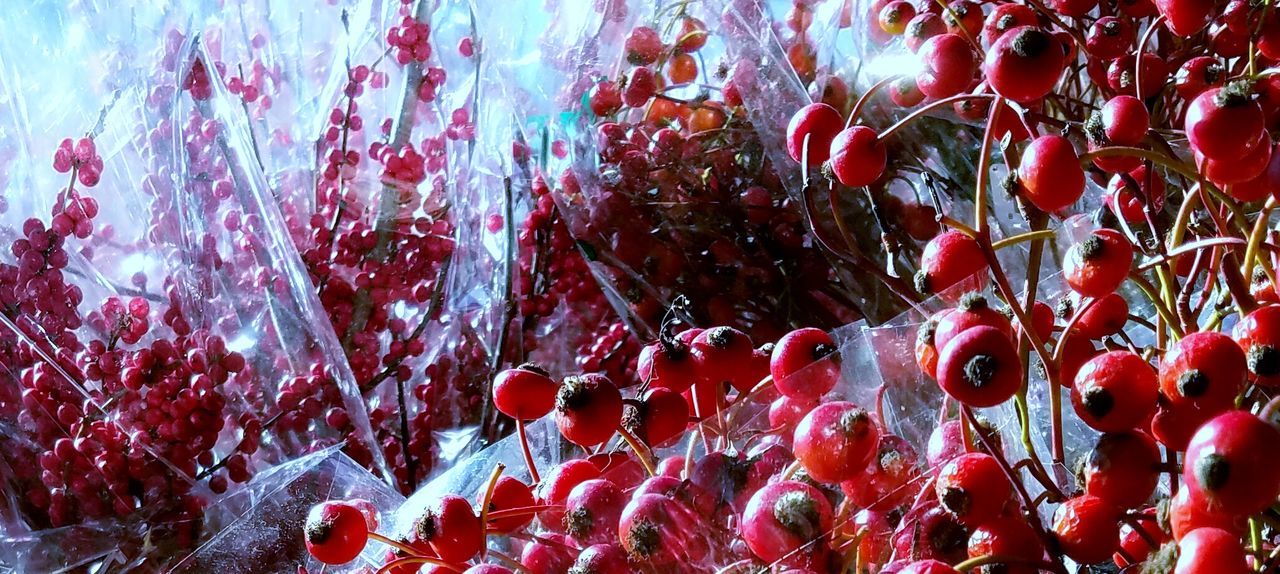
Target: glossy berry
[[974, 310], [835, 441], [858, 157], [804, 365], [920, 29], [602, 559], [556, 486], [819, 123], [1110, 37], [1186, 17], [784, 517], [592, 510], [980, 367], [643, 46], [948, 259], [335, 532], [1050, 176], [1206, 550], [1123, 468], [524, 393], [509, 493], [451, 528], [1105, 317], [588, 409], [928, 567], [1024, 64], [1087, 528], [973, 488], [1128, 194], [949, 66], [724, 355], [1258, 335], [1010, 537], [1099, 264], [1115, 391], [1230, 464], [1225, 123], [1188, 512], [1005, 17], [1207, 369], [660, 415], [1197, 75]]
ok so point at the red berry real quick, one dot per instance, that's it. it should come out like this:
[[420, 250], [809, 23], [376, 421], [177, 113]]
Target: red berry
[[820, 123], [835, 441], [920, 29], [1239, 170], [1207, 369], [803, 364], [980, 367], [661, 415], [894, 16], [949, 65], [1107, 316], [557, 484], [1073, 8], [1187, 513], [509, 493], [1197, 75], [1005, 17], [1258, 334], [524, 393], [1098, 265], [602, 559], [588, 409], [890, 479], [1230, 464], [592, 510], [692, 36], [1024, 64], [974, 310], [724, 355], [973, 488], [1206, 550], [1123, 468], [605, 99], [858, 157], [643, 46], [1139, 544], [667, 364], [928, 567], [1125, 120], [1186, 17], [948, 259], [451, 528], [1225, 123], [1110, 37], [1009, 537], [335, 532], [1115, 391], [1050, 174], [782, 519], [1087, 528], [1129, 193]]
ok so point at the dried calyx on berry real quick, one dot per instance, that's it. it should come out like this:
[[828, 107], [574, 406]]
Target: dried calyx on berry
[[926, 331], [1096, 131], [798, 513], [1192, 383], [980, 370], [1233, 94], [1031, 42], [1098, 402], [573, 394], [1264, 360], [1092, 248]]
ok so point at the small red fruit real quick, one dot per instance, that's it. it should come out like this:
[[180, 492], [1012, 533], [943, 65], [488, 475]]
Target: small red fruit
[[973, 488], [1110, 37], [335, 532], [858, 157], [1087, 528], [782, 519], [1123, 468], [1197, 75], [1050, 174], [1186, 17], [1230, 464], [1225, 123], [660, 415], [1258, 334], [1005, 17], [920, 29], [821, 123], [973, 310], [509, 493], [804, 365], [643, 46], [524, 393], [948, 259], [1206, 550], [1207, 369], [949, 66], [836, 441], [1024, 64], [1098, 265], [588, 409], [980, 367], [451, 528], [1115, 391]]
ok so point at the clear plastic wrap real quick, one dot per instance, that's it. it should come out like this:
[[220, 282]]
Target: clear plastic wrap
[[169, 349]]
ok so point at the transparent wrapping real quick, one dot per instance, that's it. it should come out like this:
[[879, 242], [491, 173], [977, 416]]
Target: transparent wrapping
[[160, 333]]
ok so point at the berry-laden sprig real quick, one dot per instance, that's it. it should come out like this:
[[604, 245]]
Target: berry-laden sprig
[[1171, 379]]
